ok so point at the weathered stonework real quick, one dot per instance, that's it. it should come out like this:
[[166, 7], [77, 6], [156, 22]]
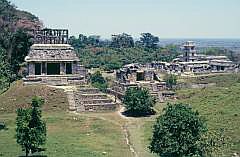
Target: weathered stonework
[[192, 62], [55, 64], [92, 100]]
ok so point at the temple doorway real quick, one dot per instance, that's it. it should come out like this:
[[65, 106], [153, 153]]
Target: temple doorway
[[53, 68]]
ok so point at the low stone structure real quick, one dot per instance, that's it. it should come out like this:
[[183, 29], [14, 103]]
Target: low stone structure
[[136, 75], [135, 72]]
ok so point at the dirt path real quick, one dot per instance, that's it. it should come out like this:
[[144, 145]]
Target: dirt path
[[126, 131], [123, 126], [135, 135]]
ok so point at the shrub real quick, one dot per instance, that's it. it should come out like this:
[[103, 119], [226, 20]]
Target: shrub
[[138, 101], [181, 132]]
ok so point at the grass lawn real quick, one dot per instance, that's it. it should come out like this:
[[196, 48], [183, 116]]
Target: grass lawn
[[220, 105], [68, 134], [87, 135]]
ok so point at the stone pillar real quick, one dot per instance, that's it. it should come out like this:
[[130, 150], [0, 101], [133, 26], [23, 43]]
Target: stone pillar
[[74, 68], [62, 68], [31, 68], [44, 68]]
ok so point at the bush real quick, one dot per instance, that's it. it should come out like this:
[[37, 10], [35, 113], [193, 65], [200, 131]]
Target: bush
[[171, 80], [102, 87], [98, 81], [97, 78], [2, 126], [181, 132], [138, 101]]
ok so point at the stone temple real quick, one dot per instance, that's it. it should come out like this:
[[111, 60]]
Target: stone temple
[[52, 60]]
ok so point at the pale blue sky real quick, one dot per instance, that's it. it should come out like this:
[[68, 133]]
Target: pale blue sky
[[165, 18]]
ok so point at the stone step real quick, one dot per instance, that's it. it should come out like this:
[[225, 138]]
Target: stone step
[[92, 100], [95, 101], [88, 90], [97, 107], [81, 96]]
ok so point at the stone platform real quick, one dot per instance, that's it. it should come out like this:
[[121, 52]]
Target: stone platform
[[89, 99], [55, 80]]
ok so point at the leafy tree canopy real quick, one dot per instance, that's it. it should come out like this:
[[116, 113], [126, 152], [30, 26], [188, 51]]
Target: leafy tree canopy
[[138, 101], [122, 41], [171, 80], [5, 72], [98, 81], [30, 128], [148, 40], [97, 77], [180, 132]]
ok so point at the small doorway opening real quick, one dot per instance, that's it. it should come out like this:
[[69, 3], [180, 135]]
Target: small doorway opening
[[68, 68], [53, 68], [38, 69], [140, 76]]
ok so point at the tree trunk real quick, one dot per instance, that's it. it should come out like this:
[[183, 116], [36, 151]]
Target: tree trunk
[[27, 152]]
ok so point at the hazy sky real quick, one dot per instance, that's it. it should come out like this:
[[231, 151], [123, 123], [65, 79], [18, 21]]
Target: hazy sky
[[164, 18]]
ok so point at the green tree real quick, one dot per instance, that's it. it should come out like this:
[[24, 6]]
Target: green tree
[[98, 81], [171, 80], [83, 41], [94, 40], [178, 132], [30, 128], [122, 41], [21, 43], [5, 72], [97, 77], [80, 42], [148, 40], [138, 101]]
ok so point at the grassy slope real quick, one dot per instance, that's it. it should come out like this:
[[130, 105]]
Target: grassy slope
[[219, 105], [87, 135], [20, 96]]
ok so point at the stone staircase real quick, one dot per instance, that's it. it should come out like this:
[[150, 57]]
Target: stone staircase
[[92, 100], [71, 100]]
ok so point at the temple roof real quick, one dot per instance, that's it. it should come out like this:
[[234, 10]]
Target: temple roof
[[51, 52]]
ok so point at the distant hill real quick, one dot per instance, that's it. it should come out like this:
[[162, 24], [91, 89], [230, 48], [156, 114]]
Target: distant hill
[[14, 40], [12, 19]]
